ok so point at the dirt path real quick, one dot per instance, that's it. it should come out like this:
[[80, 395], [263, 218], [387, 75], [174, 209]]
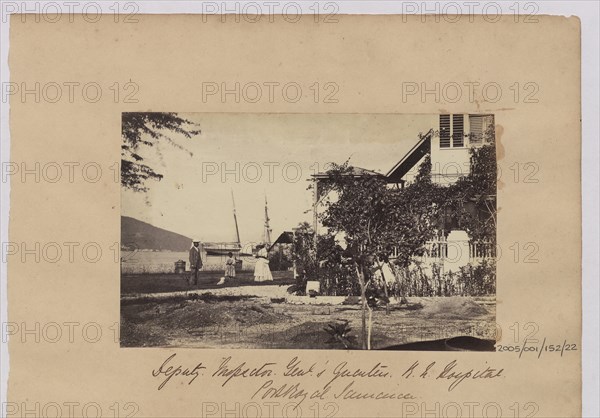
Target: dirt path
[[164, 283], [259, 291]]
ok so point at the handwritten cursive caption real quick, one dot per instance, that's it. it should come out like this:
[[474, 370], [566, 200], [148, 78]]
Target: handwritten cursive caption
[[334, 380]]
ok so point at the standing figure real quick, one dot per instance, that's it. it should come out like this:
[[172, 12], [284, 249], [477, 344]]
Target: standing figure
[[229, 267], [195, 261], [262, 272]]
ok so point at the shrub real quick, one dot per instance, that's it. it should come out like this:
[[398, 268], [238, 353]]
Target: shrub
[[478, 280]]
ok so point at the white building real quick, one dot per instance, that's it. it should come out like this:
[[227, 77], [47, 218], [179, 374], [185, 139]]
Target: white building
[[448, 148], [449, 152]]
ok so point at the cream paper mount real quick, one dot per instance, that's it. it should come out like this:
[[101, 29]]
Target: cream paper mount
[[422, 177]]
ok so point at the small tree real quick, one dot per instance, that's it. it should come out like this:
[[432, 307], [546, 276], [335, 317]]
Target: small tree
[[303, 256], [378, 221]]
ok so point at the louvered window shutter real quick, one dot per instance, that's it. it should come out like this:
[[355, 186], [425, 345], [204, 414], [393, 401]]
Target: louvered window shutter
[[458, 131], [444, 131], [476, 123]]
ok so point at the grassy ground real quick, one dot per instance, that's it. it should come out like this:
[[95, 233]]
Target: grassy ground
[[160, 282]]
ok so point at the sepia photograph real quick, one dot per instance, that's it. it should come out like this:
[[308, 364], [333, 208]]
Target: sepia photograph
[[299, 231]]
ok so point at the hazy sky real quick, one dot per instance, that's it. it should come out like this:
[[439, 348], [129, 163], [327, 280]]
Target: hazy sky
[[256, 155]]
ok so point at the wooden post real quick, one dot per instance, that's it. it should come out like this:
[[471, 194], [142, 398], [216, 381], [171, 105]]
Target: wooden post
[[385, 289]]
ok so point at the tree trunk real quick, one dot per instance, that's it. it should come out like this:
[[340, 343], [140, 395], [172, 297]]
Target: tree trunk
[[387, 305], [370, 327], [361, 281]]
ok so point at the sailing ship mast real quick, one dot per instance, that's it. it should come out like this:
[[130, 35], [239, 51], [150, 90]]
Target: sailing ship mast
[[267, 230], [237, 230], [223, 248]]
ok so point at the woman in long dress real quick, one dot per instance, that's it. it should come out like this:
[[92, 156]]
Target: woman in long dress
[[229, 267], [262, 272]]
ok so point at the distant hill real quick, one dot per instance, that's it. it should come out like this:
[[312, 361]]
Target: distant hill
[[143, 236]]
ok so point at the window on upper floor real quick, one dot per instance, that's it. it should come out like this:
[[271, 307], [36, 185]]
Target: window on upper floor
[[454, 128], [452, 131]]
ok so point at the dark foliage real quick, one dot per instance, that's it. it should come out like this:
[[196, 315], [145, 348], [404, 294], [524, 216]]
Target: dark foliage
[[139, 129]]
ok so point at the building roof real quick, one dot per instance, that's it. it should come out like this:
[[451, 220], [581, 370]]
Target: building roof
[[286, 237], [411, 159], [356, 172]]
